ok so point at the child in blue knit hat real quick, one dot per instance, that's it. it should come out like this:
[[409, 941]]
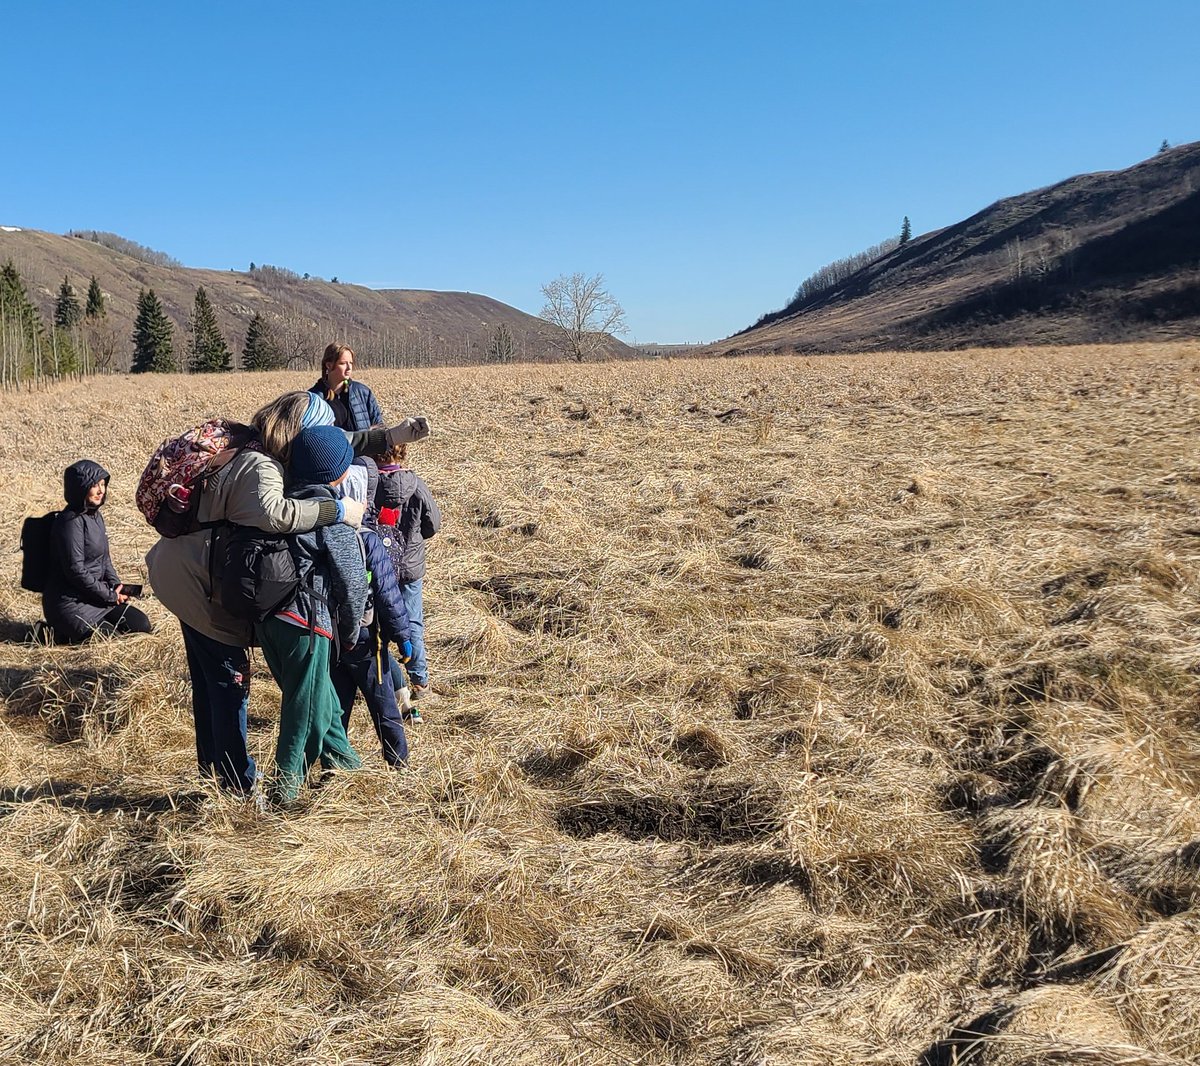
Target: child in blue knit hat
[[297, 641]]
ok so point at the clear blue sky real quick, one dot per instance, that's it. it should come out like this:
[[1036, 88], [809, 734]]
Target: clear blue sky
[[705, 157]]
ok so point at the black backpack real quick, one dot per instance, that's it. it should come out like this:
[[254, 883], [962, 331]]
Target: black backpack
[[35, 544], [252, 574]]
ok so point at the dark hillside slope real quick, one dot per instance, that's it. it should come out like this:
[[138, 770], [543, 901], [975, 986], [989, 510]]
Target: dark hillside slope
[[1100, 257], [391, 327]]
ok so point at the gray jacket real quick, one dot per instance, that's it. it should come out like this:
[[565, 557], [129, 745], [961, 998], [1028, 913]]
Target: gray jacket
[[333, 577], [420, 518]]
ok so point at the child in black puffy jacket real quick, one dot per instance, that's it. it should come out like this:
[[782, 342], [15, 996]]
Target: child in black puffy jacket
[[83, 594]]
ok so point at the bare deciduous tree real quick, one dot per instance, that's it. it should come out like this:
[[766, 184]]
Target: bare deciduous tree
[[297, 337], [501, 347], [100, 345], [583, 313]]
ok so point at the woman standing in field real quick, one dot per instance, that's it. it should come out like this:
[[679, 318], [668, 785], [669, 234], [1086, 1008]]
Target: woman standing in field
[[354, 405], [245, 488]]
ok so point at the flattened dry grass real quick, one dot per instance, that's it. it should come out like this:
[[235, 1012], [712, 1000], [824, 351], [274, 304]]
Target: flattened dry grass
[[794, 711]]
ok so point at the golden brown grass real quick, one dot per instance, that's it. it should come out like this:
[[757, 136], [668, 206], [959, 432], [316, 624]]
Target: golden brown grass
[[796, 712]]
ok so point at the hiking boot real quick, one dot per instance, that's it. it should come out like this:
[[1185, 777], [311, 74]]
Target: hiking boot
[[424, 694]]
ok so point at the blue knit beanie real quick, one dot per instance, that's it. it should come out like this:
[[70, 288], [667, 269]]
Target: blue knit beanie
[[320, 455], [317, 413]]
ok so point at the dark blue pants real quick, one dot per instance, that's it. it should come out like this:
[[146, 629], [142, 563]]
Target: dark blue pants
[[220, 692], [358, 671]]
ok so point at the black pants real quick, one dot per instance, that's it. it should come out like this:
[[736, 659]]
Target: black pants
[[120, 620], [358, 671]]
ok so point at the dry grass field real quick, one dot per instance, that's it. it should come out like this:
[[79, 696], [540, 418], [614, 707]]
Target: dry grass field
[[795, 711]]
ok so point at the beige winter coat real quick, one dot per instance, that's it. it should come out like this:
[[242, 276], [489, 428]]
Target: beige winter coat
[[248, 491]]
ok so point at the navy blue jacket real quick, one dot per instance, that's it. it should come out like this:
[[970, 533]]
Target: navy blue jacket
[[385, 590], [333, 582], [364, 408]]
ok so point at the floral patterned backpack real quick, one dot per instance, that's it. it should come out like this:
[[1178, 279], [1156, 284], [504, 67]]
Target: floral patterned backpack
[[168, 492]]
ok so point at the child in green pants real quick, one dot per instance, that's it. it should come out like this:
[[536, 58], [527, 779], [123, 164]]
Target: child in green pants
[[328, 605]]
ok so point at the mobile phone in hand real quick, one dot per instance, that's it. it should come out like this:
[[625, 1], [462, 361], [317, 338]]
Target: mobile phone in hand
[[133, 591]]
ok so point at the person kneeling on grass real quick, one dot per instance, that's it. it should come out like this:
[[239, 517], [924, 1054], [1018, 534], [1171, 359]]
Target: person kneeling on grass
[[367, 667], [83, 594], [328, 605]]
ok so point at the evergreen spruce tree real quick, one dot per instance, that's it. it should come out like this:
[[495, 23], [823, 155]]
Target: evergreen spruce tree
[[67, 312], [153, 336], [95, 300], [1164, 147], [905, 232], [207, 350], [22, 333], [15, 306], [260, 352], [60, 355]]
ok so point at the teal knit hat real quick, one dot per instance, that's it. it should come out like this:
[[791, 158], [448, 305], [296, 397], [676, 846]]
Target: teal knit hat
[[320, 455]]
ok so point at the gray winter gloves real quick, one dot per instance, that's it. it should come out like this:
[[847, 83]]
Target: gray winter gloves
[[411, 429]]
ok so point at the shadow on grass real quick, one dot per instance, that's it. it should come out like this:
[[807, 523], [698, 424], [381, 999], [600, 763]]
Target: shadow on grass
[[97, 800], [15, 631]]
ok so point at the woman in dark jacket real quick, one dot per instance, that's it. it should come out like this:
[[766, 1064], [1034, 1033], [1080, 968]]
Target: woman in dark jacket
[[354, 405], [83, 593]]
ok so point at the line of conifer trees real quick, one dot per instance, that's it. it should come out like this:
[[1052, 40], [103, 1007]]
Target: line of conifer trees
[[207, 351], [32, 350], [80, 340]]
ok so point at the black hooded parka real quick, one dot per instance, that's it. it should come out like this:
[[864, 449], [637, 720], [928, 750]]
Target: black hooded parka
[[81, 588]]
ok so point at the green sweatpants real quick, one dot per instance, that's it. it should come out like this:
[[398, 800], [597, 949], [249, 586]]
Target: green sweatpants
[[310, 717]]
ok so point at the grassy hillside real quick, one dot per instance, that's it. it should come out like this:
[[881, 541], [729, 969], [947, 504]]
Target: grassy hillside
[[1098, 257], [388, 327], [795, 712]]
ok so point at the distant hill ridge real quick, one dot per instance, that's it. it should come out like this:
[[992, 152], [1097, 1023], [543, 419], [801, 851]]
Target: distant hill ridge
[[1110, 256], [386, 327]]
